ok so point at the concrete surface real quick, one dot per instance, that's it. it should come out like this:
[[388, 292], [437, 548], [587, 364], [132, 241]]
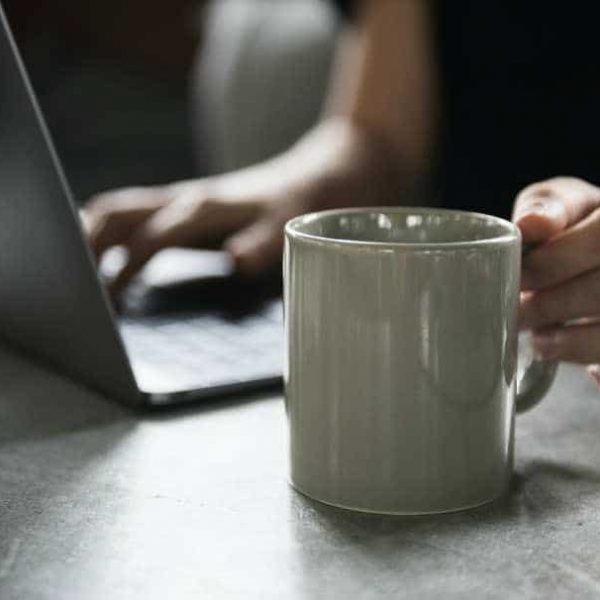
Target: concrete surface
[[98, 503]]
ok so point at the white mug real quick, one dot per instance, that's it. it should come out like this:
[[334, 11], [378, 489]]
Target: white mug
[[401, 327]]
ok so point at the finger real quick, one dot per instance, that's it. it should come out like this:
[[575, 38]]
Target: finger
[[576, 298], [257, 247], [140, 249], [131, 198], [574, 343], [110, 218], [165, 228], [552, 212], [569, 254], [540, 220], [594, 373], [186, 222], [112, 230], [544, 209]]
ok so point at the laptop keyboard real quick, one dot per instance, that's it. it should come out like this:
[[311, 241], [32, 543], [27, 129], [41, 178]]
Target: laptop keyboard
[[205, 350]]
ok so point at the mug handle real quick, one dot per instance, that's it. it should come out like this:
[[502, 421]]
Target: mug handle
[[536, 380], [534, 384]]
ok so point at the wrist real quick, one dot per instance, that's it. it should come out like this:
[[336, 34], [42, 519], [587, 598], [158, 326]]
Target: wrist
[[341, 164]]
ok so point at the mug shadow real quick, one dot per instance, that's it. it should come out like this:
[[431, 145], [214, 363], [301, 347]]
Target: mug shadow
[[542, 491]]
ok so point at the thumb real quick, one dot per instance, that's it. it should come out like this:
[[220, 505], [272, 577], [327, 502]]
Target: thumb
[[544, 209], [594, 373], [540, 217], [257, 247]]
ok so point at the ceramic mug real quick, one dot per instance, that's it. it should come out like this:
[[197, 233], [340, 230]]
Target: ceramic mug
[[401, 368]]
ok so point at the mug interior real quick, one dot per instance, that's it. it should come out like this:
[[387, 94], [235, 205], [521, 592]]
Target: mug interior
[[412, 226]]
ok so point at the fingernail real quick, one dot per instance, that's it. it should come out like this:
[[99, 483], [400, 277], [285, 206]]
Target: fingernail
[[546, 345], [538, 207], [594, 373], [549, 207]]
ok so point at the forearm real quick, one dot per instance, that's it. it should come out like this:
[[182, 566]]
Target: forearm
[[395, 96], [374, 141], [380, 115]]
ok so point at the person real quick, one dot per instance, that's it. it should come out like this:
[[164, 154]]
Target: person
[[491, 101]]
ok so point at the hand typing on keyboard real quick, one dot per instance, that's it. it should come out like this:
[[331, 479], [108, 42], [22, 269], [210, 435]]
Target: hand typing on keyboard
[[244, 212]]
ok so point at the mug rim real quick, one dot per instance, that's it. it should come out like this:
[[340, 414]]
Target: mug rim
[[292, 231]]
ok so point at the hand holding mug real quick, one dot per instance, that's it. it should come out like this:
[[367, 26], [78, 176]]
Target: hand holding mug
[[561, 275]]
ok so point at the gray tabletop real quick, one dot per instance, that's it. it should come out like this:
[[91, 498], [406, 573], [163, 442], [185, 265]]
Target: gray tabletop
[[98, 503]]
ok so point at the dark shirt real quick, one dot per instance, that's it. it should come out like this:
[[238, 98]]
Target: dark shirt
[[521, 94]]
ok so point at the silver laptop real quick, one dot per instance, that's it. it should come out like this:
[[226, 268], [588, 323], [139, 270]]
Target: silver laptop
[[191, 341]]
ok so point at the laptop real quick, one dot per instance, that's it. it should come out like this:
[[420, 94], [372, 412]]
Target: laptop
[[188, 340]]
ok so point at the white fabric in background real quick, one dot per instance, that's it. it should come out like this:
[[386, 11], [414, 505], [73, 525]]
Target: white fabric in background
[[260, 81]]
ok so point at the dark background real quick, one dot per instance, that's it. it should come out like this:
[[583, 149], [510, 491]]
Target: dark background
[[112, 79]]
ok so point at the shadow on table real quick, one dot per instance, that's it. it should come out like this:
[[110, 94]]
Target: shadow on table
[[467, 554], [36, 403], [56, 440], [542, 491]]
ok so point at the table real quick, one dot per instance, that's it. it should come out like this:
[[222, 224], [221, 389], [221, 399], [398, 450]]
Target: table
[[99, 503]]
